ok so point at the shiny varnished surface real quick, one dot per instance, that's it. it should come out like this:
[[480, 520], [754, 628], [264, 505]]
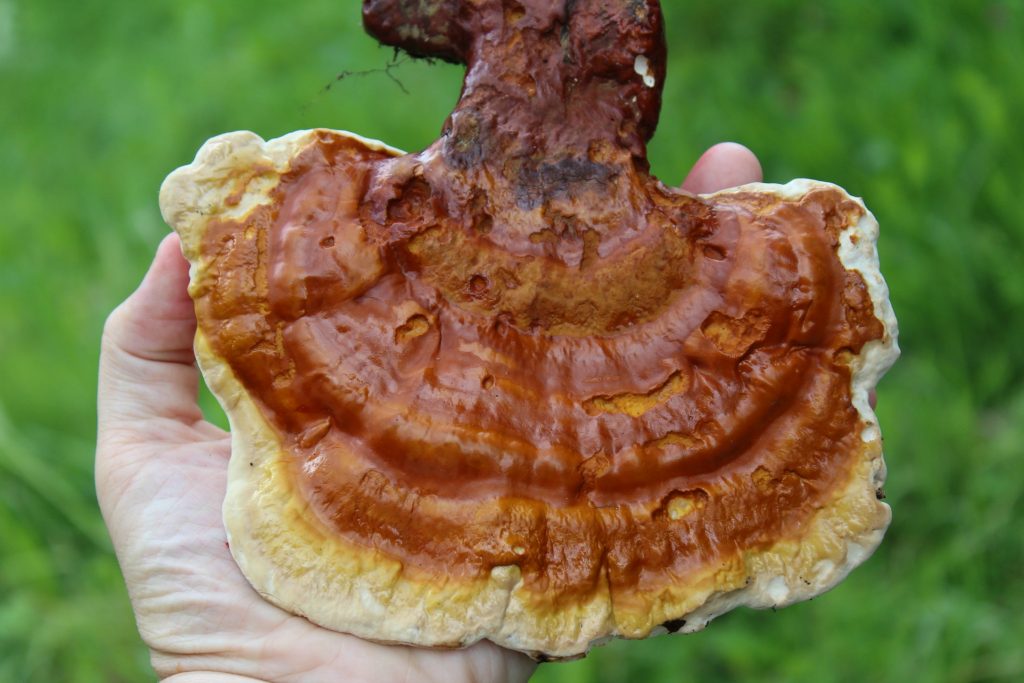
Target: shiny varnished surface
[[516, 347]]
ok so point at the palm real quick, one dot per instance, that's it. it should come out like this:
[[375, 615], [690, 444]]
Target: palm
[[162, 499], [161, 474]]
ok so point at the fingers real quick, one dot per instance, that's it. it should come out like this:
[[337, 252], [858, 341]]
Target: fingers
[[147, 365], [725, 165]]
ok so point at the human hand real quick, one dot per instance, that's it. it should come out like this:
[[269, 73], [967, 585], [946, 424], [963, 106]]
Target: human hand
[[161, 473]]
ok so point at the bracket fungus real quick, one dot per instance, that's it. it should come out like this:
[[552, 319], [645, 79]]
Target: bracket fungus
[[512, 386]]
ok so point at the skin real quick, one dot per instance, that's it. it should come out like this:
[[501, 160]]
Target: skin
[[161, 473]]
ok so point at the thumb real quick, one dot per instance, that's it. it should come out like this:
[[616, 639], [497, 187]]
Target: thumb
[[147, 365]]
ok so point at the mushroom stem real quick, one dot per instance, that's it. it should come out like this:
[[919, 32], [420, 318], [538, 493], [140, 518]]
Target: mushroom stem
[[546, 147], [547, 79]]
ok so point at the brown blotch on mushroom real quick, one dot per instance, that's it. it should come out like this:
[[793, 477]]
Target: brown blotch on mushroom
[[416, 326]]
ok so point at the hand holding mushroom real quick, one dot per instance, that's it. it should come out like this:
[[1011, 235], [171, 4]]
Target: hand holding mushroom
[[513, 388]]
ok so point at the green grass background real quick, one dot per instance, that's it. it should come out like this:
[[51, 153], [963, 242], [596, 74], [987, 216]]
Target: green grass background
[[916, 105]]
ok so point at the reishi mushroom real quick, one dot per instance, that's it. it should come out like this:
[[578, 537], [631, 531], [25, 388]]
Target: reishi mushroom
[[512, 386]]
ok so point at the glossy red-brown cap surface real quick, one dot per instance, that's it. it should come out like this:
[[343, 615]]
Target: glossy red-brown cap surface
[[518, 355]]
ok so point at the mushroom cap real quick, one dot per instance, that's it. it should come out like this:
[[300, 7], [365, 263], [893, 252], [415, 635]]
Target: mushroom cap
[[530, 394]]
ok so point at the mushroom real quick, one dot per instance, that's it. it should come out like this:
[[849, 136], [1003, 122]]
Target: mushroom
[[513, 387]]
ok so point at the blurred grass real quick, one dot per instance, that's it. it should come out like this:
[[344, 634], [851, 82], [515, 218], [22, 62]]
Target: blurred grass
[[916, 105]]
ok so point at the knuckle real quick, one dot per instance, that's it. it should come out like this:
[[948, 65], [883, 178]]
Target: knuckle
[[114, 326]]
